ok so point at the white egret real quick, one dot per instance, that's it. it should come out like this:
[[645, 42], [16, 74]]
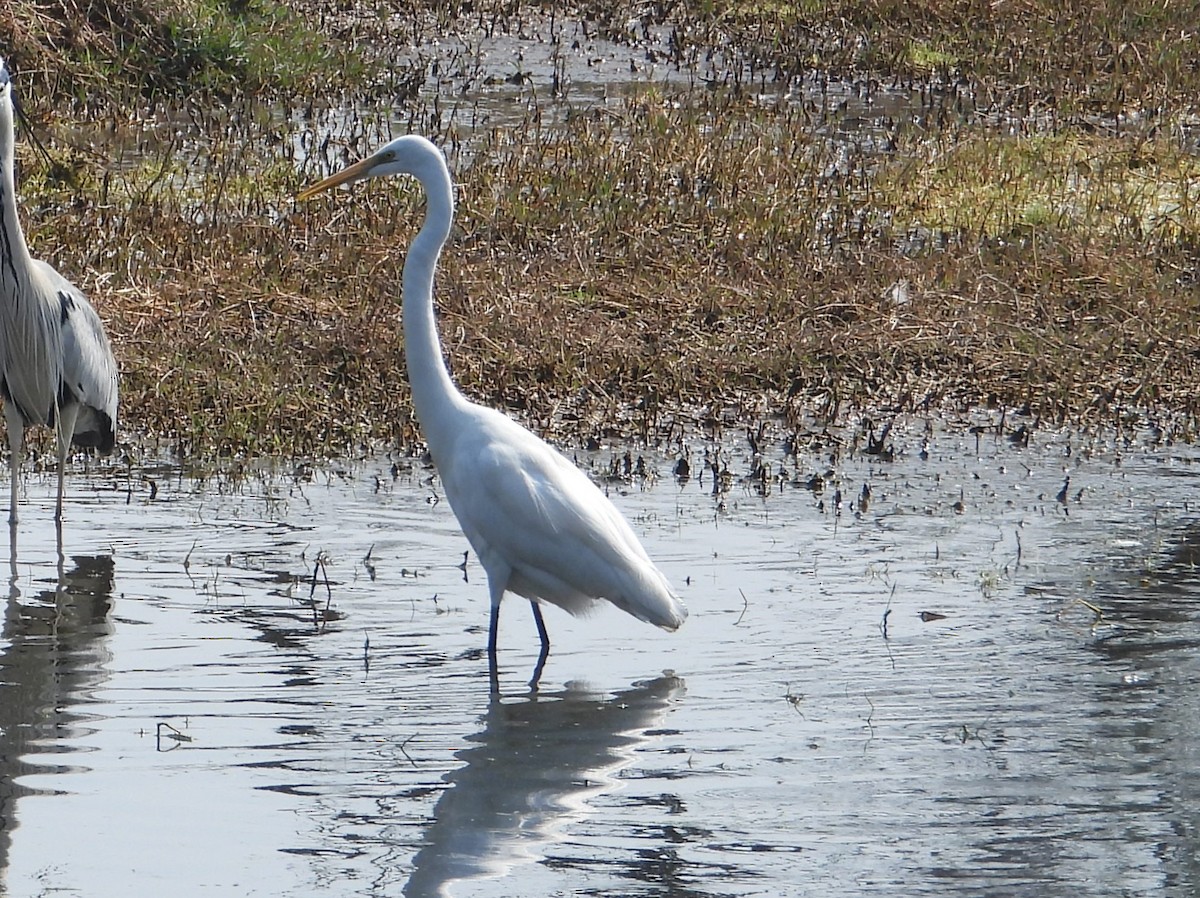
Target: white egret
[[540, 527], [56, 365]]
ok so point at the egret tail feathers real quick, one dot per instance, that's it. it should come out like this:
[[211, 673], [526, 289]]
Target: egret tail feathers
[[653, 601]]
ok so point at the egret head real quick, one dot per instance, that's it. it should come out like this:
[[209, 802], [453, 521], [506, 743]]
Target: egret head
[[5, 78], [408, 155]]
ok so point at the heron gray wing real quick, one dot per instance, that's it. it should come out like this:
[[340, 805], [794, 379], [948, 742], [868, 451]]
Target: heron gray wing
[[30, 348], [89, 368]]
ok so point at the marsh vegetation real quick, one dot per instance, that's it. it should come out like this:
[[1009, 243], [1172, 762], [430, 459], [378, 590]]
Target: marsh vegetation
[[669, 217]]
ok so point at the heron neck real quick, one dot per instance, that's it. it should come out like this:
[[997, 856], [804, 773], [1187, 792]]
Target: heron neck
[[14, 253], [433, 392]]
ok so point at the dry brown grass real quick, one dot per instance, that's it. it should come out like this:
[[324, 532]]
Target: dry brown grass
[[669, 262], [46, 42], [639, 277], [1072, 57], [112, 59]]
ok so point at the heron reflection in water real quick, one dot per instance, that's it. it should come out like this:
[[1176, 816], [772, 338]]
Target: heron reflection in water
[[53, 654]]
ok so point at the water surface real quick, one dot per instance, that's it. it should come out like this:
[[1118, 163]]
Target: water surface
[[967, 680]]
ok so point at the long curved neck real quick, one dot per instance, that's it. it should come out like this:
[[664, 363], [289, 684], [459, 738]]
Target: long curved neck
[[435, 398], [14, 253], [30, 360]]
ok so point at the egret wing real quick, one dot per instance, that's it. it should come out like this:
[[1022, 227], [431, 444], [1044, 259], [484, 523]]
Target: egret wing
[[528, 506]]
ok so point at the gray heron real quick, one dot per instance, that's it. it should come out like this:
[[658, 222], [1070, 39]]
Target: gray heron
[[57, 368]]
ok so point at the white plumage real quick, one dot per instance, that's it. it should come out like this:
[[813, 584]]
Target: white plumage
[[57, 368], [540, 527]]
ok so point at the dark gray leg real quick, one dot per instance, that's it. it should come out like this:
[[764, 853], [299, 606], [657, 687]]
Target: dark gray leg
[[541, 625]]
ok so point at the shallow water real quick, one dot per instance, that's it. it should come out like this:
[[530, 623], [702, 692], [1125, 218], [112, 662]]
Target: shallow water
[[526, 75], [780, 744]]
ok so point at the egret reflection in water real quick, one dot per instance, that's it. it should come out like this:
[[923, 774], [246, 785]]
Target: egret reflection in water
[[530, 773]]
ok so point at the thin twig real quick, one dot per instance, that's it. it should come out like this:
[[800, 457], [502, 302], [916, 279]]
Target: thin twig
[[405, 750]]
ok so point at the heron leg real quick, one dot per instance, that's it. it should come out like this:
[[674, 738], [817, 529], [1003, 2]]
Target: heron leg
[[13, 590], [67, 415], [15, 423], [62, 464]]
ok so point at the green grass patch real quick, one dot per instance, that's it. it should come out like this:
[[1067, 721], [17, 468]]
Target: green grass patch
[[1139, 191], [926, 58], [105, 53]]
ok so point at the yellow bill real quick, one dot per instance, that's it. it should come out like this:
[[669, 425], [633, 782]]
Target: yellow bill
[[348, 175]]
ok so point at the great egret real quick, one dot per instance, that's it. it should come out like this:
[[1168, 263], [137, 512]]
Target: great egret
[[56, 365], [540, 527]]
